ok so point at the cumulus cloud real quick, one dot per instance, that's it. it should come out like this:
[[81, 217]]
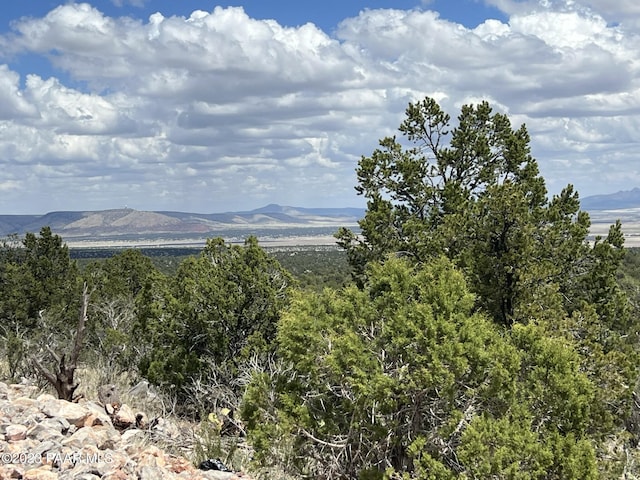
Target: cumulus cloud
[[627, 11], [12, 102], [68, 111], [217, 110]]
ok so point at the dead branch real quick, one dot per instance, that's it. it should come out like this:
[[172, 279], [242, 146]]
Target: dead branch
[[55, 356], [343, 443], [63, 380], [82, 323]]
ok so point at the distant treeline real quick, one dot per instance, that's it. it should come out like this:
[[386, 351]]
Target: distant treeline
[[313, 266], [102, 253]]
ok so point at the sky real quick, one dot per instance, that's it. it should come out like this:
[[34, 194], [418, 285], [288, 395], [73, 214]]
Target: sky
[[207, 107]]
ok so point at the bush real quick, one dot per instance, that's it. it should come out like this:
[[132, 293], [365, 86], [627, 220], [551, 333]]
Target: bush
[[403, 376], [218, 309]]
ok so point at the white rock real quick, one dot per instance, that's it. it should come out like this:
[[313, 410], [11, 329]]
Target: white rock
[[101, 437], [46, 431], [74, 413], [132, 435]]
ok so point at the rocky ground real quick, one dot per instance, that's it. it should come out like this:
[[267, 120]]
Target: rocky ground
[[43, 438]]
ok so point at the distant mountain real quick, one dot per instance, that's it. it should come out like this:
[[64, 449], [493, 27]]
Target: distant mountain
[[128, 222], [299, 211], [613, 201]]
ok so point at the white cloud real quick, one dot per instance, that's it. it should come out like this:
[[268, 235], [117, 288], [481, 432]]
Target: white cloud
[[618, 11], [172, 112], [7, 185], [12, 102], [68, 111]]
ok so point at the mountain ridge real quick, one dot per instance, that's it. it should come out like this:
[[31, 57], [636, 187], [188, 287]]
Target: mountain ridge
[[128, 221], [612, 201]]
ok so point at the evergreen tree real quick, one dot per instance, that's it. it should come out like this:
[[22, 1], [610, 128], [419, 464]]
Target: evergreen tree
[[219, 308], [402, 376], [38, 278], [473, 193], [39, 294]]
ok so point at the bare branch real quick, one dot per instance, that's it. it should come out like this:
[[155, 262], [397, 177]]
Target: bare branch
[[82, 321], [322, 442], [44, 371], [55, 356], [63, 380]]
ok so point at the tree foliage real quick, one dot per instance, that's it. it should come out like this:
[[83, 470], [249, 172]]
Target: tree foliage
[[403, 376], [37, 277], [116, 285], [473, 192], [218, 308], [39, 294]]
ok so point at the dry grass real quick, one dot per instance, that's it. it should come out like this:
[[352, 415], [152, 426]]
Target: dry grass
[[133, 390], [176, 435]]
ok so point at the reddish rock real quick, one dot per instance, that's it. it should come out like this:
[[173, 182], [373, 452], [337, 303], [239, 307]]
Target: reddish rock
[[98, 412], [151, 456], [67, 441], [15, 433], [102, 437], [124, 418], [179, 465], [116, 475], [11, 471]]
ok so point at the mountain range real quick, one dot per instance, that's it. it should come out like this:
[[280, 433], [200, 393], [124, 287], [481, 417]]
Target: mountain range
[[127, 222], [623, 199]]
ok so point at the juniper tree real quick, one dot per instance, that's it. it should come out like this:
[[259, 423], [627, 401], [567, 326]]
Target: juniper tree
[[219, 307], [402, 376], [470, 190], [473, 192]]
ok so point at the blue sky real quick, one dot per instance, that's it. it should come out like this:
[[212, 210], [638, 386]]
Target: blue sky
[[198, 106], [326, 15]]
